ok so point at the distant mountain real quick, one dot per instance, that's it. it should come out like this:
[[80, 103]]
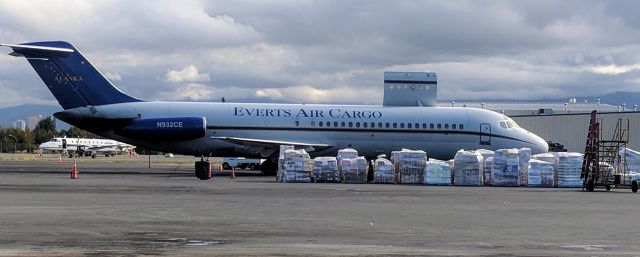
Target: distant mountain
[[9, 115]]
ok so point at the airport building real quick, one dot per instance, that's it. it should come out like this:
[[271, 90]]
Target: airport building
[[20, 124], [566, 123]]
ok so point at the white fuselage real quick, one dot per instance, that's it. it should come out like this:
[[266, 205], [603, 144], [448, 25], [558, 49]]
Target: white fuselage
[[372, 130], [59, 144]]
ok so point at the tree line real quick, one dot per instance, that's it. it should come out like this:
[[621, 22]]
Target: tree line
[[17, 140]]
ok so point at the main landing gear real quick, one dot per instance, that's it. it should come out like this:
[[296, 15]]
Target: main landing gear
[[203, 169], [269, 167]]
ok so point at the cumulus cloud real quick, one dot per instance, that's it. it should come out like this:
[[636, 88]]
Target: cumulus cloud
[[189, 73], [113, 76]]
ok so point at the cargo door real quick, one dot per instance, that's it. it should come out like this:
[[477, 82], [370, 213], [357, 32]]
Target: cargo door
[[485, 134]]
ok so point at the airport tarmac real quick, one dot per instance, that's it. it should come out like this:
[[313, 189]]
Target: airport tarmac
[[120, 207]]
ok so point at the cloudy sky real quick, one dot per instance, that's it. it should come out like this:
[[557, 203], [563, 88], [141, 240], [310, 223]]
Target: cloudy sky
[[332, 51]]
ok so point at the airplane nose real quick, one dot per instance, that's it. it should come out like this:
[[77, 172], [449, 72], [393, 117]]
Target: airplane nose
[[539, 144]]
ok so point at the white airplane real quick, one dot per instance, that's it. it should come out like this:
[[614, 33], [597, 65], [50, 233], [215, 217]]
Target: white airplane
[[85, 146], [256, 130]]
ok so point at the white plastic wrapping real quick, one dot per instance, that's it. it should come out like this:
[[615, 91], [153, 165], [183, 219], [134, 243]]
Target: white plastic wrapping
[[383, 171], [325, 169], [409, 165], [437, 173], [296, 167], [524, 155], [354, 170], [505, 170], [467, 168], [540, 174], [569, 169], [486, 170], [487, 167], [632, 158]]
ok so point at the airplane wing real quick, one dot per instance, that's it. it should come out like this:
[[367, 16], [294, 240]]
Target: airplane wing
[[274, 144]]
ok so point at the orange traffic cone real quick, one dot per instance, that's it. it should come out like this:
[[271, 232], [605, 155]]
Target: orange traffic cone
[[209, 171], [74, 171], [233, 173]]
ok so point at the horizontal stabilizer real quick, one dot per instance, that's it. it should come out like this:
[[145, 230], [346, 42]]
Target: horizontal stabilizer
[[20, 50]]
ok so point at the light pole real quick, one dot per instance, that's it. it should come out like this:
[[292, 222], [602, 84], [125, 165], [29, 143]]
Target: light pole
[[15, 143]]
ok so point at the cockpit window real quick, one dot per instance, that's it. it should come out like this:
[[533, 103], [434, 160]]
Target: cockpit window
[[54, 140], [508, 123]]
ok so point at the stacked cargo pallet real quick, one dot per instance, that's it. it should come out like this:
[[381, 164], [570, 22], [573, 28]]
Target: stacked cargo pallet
[[325, 169], [524, 155], [540, 174], [487, 160], [353, 168], [505, 170], [296, 167], [467, 168], [383, 171], [569, 169], [409, 165], [437, 173]]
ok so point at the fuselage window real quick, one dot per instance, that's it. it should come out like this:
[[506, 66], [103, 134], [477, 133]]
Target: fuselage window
[[297, 123], [395, 125], [350, 124], [431, 126], [408, 125], [401, 125], [386, 125], [417, 125], [320, 123], [364, 124], [424, 125], [373, 124], [328, 123], [357, 124], [453, 126], [335, 124], [439, 126], [461, 126], [313, 123], [344, 124], [379, 125], [446, 126]]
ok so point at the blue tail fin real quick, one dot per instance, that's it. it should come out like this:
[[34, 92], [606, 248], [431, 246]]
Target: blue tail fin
[[72, 79]]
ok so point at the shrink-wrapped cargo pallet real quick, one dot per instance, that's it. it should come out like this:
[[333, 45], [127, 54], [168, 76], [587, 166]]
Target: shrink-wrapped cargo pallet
[[524, 155], [409, 165], [487, 167], [467, 168], [540, 174], [437, 173], [547, 157], [505, 169], [354, 170], [296, 167], [383, 171], [347, 153], [486, 172], [325, 169], [569, 169], [281, 160]]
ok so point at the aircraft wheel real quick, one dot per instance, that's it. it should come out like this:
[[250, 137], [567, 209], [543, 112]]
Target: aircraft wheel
[[590, 186], [226, 166], [252, 166], [608, 188], [634, 186], [202, 170], [269, 168]]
